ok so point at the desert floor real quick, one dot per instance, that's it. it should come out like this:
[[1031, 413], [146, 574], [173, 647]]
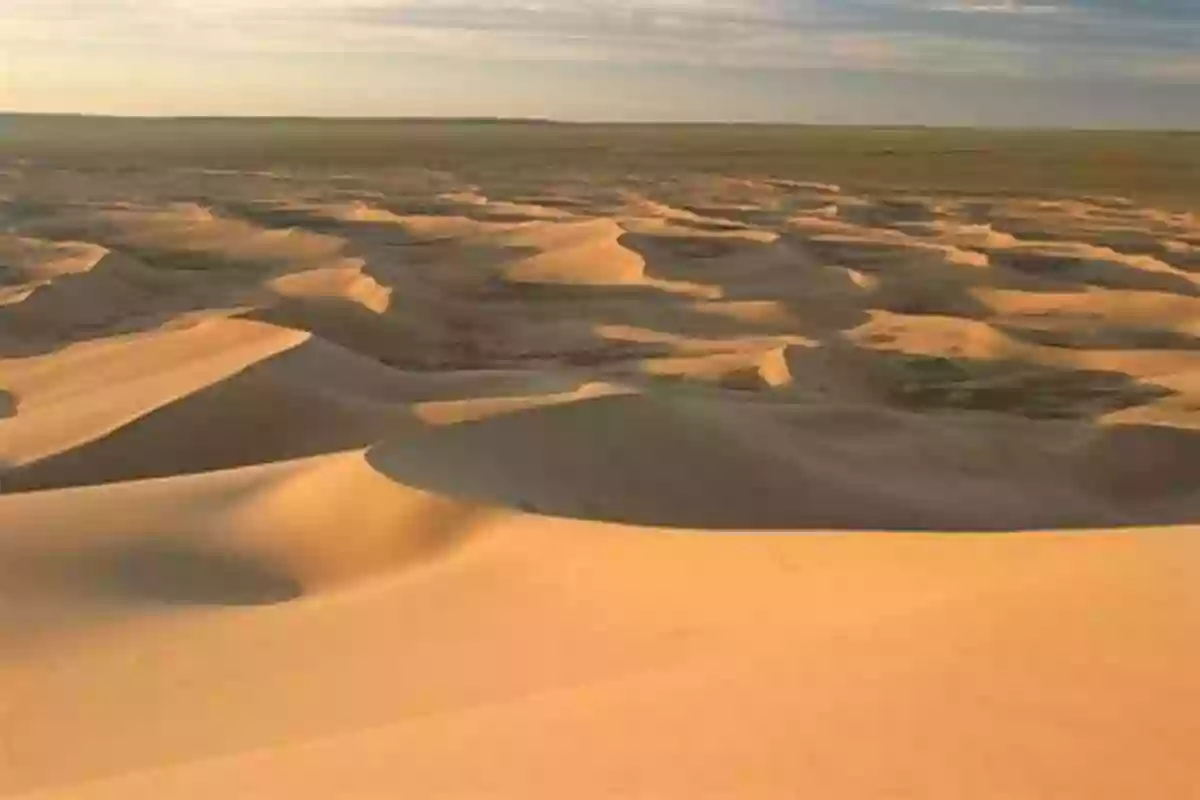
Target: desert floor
[[417, 481]]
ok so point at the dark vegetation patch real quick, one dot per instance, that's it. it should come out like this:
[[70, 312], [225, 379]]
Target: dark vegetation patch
[[1106, 338], [1010, 387], [1068, 270]]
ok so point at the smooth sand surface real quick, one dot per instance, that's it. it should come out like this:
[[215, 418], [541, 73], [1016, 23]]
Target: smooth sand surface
[[394, 486]]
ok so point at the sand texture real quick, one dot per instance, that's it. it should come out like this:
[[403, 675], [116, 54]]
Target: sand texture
[[391, 483]]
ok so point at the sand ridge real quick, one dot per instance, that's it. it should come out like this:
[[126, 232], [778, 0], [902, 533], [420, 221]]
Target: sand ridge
[[357, 485]]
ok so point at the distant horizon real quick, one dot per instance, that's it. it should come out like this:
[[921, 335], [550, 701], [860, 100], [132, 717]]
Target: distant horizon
[[198, 117]]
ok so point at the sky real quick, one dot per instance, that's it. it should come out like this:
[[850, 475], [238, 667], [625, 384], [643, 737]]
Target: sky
[[1080, 63]]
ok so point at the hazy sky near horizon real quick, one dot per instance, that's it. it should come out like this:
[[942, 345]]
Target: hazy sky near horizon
[[1023, 62]]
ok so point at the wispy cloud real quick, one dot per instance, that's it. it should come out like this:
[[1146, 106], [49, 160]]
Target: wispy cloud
[[1119, 38], [998, 7]]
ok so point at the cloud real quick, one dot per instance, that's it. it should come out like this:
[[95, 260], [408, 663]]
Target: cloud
[[1118, 38], [1001, 7]]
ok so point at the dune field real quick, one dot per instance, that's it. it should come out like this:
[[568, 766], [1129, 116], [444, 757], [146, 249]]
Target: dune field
[[419, 481]]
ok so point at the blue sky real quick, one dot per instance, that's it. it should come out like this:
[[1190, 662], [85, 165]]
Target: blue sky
[[1024, 62]]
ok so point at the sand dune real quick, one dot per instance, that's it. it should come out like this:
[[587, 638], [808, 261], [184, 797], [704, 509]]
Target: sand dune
[[751, 369], [345, 282], [78, 394], [1030, 656], [321, 485], [579, 253], [752, 467]]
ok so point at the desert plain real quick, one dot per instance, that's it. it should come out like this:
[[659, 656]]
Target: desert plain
[[484, 459]]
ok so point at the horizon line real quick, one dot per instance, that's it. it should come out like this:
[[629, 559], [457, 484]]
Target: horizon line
[[550, 121]]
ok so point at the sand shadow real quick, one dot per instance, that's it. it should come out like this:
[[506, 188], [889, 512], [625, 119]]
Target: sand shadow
[[603, 460], [1057, 270], [182, 573], [168, 571]]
